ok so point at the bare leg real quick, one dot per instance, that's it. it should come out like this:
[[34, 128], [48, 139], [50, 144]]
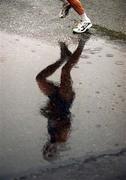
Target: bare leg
[[77, 6]]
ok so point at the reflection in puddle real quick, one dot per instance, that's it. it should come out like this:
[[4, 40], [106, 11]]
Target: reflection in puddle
[[99, 87], [57, 109]]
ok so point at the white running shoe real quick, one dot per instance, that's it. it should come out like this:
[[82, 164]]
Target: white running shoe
[[65, 10], [82, 27]]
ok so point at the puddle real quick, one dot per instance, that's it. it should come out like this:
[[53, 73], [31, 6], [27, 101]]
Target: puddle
[[119, 63], [90, 124], [110, 33]]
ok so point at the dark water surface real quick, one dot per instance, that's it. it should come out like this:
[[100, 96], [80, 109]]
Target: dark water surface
[[98, 111]]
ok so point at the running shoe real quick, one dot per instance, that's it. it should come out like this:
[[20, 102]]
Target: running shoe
[[82, 27], [65, 10]]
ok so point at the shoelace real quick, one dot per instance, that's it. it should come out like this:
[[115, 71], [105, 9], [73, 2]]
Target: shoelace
[[82, 24]]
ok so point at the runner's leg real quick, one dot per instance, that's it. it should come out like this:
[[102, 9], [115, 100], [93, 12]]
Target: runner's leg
[[85, 21], [77, 6]]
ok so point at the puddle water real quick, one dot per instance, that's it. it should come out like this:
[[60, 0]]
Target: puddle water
[[81, 114]]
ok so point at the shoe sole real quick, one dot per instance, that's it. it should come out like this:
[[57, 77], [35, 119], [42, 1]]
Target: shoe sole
[[87, 28]]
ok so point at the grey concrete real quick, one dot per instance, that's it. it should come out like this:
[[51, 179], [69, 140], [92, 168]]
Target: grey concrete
[[29, 35]]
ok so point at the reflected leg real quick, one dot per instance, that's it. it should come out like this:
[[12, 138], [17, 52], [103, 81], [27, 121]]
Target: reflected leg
[[46, 86], [66, 90]]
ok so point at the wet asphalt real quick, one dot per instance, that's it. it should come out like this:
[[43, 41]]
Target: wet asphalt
[[29, 35], [39, 18]]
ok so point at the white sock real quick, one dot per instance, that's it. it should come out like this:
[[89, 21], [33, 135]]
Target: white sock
[[85, 18]]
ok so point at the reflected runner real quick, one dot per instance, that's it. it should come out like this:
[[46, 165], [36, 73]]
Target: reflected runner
[[61, 97]]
